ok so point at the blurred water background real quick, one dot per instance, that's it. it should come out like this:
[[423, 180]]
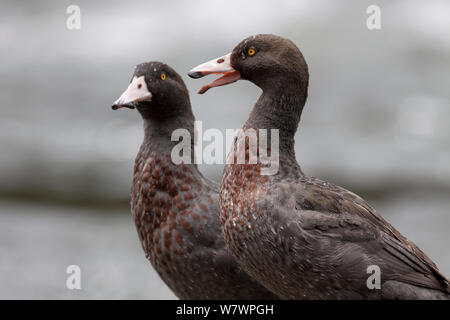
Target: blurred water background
[[376, 122]]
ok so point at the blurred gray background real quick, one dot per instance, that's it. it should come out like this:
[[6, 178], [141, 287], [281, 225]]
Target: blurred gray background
[[376, 122]]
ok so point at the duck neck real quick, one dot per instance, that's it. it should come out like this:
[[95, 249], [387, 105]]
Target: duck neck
[[279, 108], [158, 181], [158, 135]]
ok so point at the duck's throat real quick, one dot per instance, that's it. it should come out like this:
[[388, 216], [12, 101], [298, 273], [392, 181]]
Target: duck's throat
[[281, 111], [159, 180], [170, 136]]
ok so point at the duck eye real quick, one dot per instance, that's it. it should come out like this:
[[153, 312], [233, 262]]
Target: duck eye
[[251, 52], [163, 76]]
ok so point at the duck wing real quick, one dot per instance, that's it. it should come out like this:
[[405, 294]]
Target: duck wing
[[331, 211]]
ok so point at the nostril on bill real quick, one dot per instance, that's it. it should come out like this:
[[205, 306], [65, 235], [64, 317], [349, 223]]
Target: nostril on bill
[[195, 74]]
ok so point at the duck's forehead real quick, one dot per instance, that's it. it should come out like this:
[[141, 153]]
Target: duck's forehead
[[148, 69], [257, 40], [242, 46], [155, 67], [246, 42]]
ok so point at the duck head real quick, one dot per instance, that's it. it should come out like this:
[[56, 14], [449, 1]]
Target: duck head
[[269, 61], [156, 91]]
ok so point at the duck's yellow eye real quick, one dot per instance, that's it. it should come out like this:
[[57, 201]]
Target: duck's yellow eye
[[251, 52], [163, 76]]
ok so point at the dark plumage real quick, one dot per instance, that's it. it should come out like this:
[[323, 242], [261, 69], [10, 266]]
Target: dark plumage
[[304, 238], [174, 207]]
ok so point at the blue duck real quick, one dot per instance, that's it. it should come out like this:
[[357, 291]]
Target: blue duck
[[302, 237], [175, 208]]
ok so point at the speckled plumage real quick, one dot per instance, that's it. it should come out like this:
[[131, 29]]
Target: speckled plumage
[[304, 238], [175, 208]]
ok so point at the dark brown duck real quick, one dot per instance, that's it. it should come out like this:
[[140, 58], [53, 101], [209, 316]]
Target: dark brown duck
[[176, 209], [304, 238]]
